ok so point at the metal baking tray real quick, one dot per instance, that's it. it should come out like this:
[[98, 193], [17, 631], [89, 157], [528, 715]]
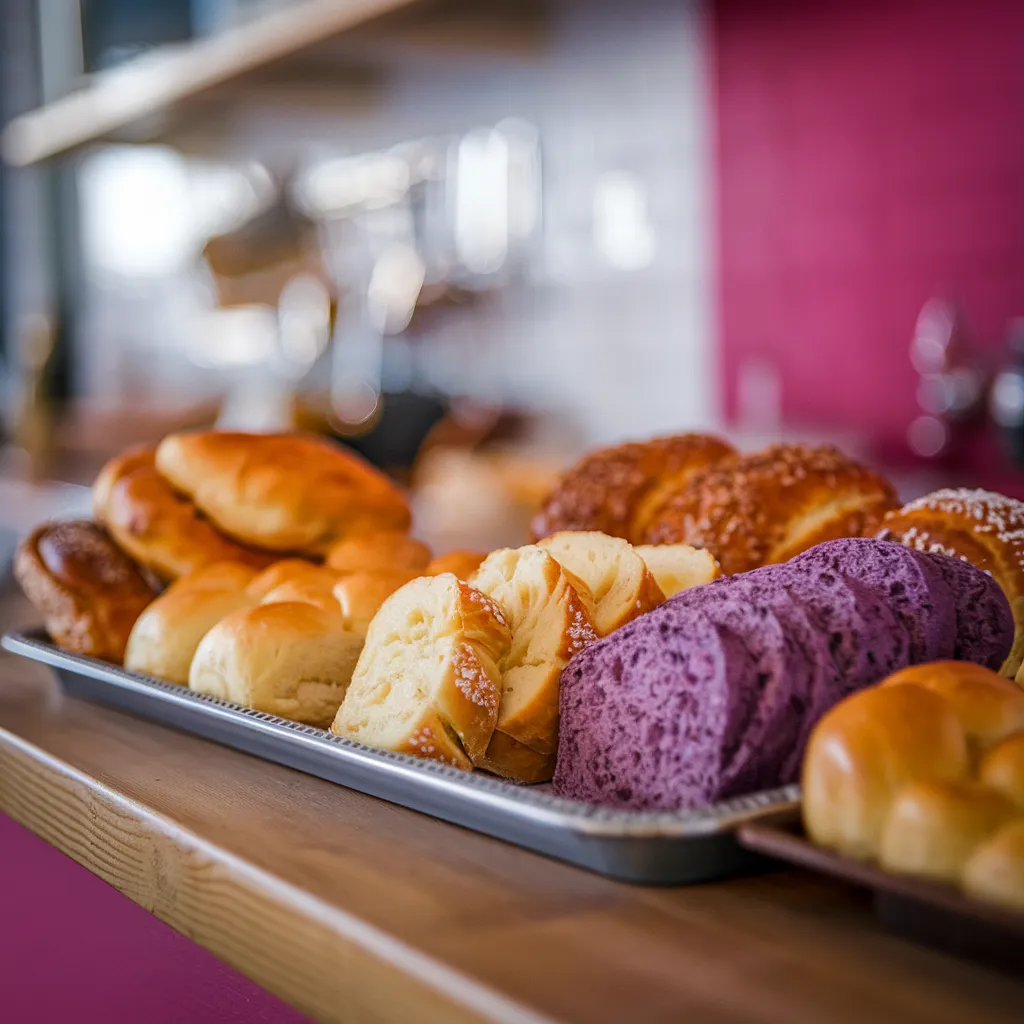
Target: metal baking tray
[[652, 848]]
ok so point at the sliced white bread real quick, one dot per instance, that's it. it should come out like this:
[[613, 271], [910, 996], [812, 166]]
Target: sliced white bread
[[428, 682], [678, 567]]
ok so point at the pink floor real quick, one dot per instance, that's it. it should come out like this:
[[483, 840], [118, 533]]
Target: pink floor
[[73, 948]]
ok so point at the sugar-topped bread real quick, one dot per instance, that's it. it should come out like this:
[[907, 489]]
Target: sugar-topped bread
[[428, 681], [617, 585], [550, 624]]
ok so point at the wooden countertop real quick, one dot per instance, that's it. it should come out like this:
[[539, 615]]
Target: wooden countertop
[[352, 909]]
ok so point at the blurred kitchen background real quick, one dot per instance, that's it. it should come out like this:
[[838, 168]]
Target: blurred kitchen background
[[475, 239]]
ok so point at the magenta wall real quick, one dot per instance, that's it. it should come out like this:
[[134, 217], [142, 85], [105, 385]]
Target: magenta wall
[[74, 949], [870, 155]]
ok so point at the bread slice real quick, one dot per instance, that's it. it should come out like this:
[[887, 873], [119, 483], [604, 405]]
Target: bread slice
[[165, 636], [516, 761], [678, 567], [288, 658], [428, 681], [618, 585], [361, 594], [388, 550], [550, 624]]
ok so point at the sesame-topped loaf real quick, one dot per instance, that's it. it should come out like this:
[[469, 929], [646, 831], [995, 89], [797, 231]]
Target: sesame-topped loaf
[[714, 694], [760, 509], [979, 527]]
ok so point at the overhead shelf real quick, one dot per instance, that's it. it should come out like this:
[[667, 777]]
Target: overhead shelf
[[296, 42]]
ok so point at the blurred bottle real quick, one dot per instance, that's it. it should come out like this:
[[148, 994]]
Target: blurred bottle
[[1007, 399]]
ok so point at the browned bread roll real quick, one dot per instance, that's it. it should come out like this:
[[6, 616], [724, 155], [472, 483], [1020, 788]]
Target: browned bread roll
[[983, 528], [865, 750], [375, 552], [360, 595], [428, 681], [460, 563], [988, 706], [995, 871], [610, 577], [291, 493], [166, 635], [292, 570], [158, 527], [289, 659], [617, 490], [87, 589], [549, 624], [309, 593], [753, 510], [933, 828], [1002, 769]]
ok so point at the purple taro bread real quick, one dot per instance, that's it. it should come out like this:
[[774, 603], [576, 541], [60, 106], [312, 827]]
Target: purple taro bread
[[916, 589], [984, 621], [651, 715]]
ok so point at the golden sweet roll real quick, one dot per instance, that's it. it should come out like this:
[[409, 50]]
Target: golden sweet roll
[[610, 577], [988, 706], [549, 624], [288, 659], [983, 528], [460, 563], [166, 635], [995, 871], [292, 570], [1002, 769], [360, 595], [516, 761], [379, 551], [865, 750], [88, 591], [309, 593], [753, 510], [428, 681], [157, 527], [678, 567], [283, 492], [615, 489], [932, 828]]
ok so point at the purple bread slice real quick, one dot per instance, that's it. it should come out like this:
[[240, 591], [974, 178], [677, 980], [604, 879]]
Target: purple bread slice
[[920, 597], [984, 621], [651, 715]]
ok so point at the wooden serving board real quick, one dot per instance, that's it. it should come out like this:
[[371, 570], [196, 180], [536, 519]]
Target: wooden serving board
[[927, 912]]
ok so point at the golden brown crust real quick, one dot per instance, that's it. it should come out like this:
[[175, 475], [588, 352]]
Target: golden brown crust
[[283, 492], [516, 761], [615, 490], [379, 552], [753, 510], [157, 527], [459, 563], [88, 591], [292, 570], [980, 527]]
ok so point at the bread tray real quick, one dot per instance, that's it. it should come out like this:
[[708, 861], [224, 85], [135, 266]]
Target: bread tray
[[923, 911], [652, 848]]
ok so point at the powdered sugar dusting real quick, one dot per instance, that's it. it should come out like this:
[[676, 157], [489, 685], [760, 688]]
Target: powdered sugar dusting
[[990, 513], [472, 680]]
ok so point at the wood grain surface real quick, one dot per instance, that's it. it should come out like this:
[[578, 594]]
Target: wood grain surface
[[353, 909]]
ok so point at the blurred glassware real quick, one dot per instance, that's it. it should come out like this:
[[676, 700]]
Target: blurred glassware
[[1007, 400]]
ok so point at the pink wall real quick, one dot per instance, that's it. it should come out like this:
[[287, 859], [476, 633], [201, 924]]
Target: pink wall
[[74, 949], [870, 155]]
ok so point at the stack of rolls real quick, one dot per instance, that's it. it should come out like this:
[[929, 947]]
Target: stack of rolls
[[924, 774]]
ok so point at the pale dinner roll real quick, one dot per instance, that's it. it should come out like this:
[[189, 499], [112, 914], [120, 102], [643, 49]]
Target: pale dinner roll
[[361, 594], [516, 761], [428, 682], [460, 563], [549, 624], [678, 567], [995, 871], [1002, 769], [166, 635], [618, 585], [932, 828], [292, 570], [865, 750], [309, 593], [378, 552], [287, 659], [989, 706], [281, 492]]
